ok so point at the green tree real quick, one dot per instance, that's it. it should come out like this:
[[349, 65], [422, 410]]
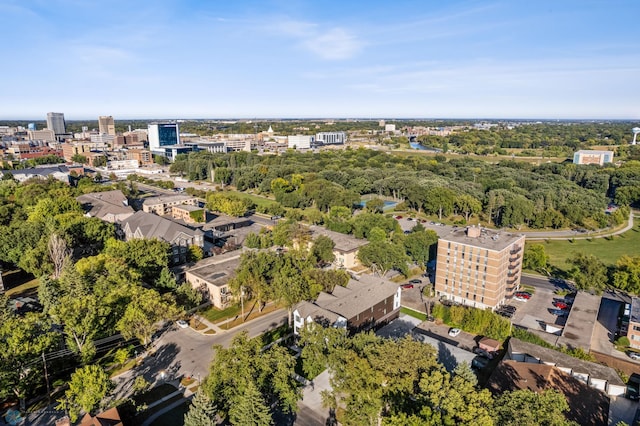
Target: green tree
[[202, 411], [83, 316], [588, 272], [166, 280], [627, 274], [524, 407], [246, 381], [375, 205], [79, 158], [141, 317], [22, 340], [535, 258], [418, 245], [384, 256], [121, 356], [87, 388], [467, 205], [322, 249]]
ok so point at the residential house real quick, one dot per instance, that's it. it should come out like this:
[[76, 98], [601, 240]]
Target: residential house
[[345, 249], [211, 277], [595, 375], [587, 405], [110, 206], [363, 304], [147, 225]]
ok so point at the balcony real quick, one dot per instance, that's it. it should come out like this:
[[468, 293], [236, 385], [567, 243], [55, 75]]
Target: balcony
[[515, 250], [514, 258]]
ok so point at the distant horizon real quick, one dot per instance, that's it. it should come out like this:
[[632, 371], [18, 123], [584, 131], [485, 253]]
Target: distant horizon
[[265, 119], [567, 60]]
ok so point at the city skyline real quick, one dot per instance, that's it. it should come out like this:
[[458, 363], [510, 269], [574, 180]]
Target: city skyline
[[462, 59]]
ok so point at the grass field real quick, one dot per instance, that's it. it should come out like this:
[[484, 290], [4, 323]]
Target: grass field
[[609, 250], [256, 199]]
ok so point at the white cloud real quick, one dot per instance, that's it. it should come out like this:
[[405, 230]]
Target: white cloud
[[335, 44]]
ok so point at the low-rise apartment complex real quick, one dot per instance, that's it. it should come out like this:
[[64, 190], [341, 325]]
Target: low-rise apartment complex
[[147, 225], [478, 267], [163, 205], [211, 277], [363, 304]]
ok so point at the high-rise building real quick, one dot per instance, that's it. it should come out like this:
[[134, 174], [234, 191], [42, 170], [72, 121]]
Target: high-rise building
[[55, 122], [478, 267], [106, 125], [163, 134]]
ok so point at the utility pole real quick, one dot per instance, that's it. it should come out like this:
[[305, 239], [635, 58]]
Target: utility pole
[[242, 301], [46, 378]]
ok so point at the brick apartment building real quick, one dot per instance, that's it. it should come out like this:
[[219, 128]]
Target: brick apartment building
[[479, 267]]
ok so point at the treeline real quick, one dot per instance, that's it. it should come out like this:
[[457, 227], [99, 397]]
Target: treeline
[[506, 194], [373, 381], [91, 284], [554, 139]]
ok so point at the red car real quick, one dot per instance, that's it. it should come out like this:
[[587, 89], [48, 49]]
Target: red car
[[560, 305], [398, 217], [406, 286], [523, 295]]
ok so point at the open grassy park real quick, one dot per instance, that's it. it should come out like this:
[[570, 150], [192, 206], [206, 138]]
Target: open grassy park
[[608, 249]]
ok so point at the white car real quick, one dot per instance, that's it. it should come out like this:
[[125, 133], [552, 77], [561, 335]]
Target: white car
[[454, 332], [182, 323]]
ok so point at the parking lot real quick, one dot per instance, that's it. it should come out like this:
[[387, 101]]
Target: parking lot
[[536, 312]]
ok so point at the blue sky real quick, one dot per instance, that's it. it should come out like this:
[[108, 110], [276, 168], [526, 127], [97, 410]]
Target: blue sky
[[338, 59]]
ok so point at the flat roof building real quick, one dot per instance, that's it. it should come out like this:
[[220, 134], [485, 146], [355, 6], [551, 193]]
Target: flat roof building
[[211, 277], [592, 157], [478, 267], [633, 332]]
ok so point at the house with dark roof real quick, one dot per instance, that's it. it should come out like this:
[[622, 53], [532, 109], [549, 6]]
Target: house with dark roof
[[595, 375], [148, 225], [110, 206], [587, 405], [365, 303]]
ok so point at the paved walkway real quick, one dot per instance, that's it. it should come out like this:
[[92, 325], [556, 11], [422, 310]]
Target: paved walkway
[[209, 324], [166, 409]]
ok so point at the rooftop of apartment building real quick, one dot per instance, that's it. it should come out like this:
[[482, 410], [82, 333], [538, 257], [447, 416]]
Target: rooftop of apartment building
[[343, 242], [217, 270], [552, 357], [581, 322], [163, 199], [634, 316], [482, 237]]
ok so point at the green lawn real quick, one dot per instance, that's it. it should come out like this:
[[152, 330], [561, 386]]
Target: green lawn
[[256, 199], [607, 250], [217, 315], [413, 313]]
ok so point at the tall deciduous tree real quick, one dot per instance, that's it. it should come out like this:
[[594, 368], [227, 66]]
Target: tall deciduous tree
[[418, 244], [524, 407], [383, 256], [322, 249], [143, 313], [87, 388]]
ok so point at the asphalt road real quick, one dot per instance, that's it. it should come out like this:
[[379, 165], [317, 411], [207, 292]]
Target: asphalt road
[[185, 352]]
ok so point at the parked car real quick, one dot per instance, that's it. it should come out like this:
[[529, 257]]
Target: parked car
[[182, 323], [567, 302], [559, 312], [399, 217], [481, 352], [634, 355], [409, 218], [479, 363], [520, 299], [523, 294], [509, 308], [415, 281], [505, 314], [454, 332], [560, 305], [406, 286]]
